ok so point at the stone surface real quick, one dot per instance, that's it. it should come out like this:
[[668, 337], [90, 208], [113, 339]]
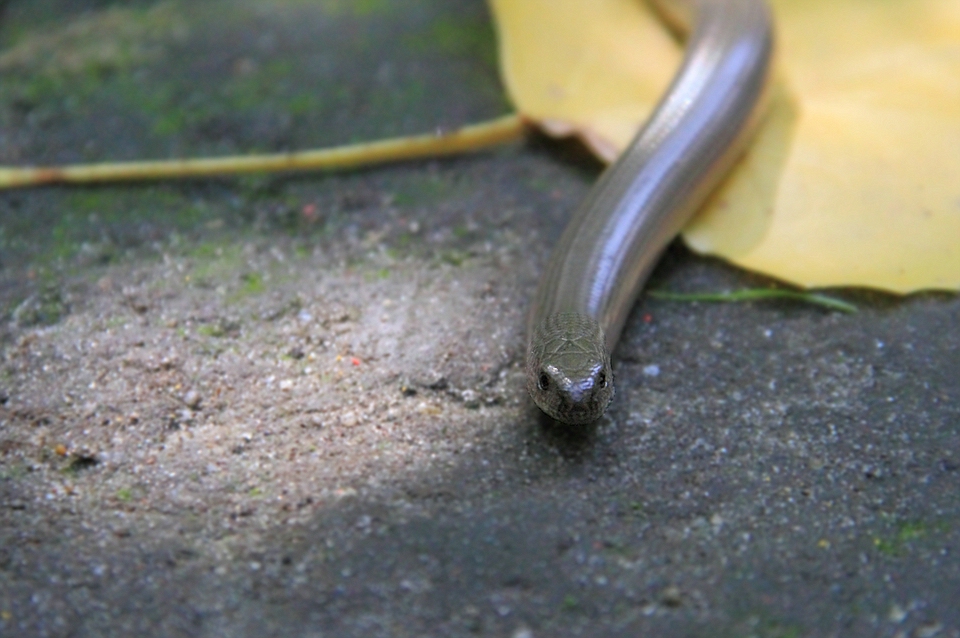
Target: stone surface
[[294, 405]]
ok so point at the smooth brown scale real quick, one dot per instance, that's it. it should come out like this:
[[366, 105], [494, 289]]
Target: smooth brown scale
[[698, 130]]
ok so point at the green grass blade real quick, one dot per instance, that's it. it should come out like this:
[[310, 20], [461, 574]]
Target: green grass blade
[[757, 294]]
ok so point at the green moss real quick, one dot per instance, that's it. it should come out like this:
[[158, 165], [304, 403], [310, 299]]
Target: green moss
[[570, 603], [211, 330], [906, 535], [359, 8], [168, 122], [773, 629], [380, 112], [368, 7], [43, 308], [124, 495], [379, 274], [763, 624], [149, 85], [174, 109], [252, 283], [453, 257], [114, 322], [162, 99], [616, 547], [12, 471], [206, 251], [540, 184], [218, 329], [215, 262], [472, 38], [304, 104], [97, 224], [422, 190], [39, 89], [45, 42]]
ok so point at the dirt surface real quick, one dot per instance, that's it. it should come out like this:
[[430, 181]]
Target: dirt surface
[[294, 405]]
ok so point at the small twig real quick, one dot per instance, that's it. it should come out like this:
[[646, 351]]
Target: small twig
[[754, 294], [466, 139]]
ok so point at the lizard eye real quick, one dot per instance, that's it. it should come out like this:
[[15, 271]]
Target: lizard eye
[[543, 381], [602, 379]]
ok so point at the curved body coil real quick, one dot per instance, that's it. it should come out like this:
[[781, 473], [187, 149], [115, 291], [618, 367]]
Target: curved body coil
[[691, 140]]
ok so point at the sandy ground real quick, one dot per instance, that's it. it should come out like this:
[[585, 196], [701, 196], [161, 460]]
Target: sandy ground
[[294, 405]]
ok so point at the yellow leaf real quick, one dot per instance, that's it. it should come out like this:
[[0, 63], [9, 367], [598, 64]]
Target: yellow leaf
[[594, 69], [854, 179]]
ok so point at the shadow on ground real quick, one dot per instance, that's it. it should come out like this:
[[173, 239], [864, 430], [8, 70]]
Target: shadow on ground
[[294, 406]]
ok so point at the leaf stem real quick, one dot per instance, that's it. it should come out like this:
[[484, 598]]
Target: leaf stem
[[469, 138]]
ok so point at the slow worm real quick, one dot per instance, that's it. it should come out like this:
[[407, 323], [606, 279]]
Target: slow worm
[[697, 131]]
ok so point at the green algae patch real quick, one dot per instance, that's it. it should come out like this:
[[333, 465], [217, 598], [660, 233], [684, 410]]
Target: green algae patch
[[779, 629], [13, 471], [453, 257], [252, 284], [472, 37], [906, 536], [45, 307], [185, 79], [213, 330], [423, 190], [378, 274], [213, 263], [97, 225], [762, 622], [114, 39], [339, 8], [360, 8], [570, 603]]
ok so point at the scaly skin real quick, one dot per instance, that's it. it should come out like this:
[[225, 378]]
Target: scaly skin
[[640, 203], [568, 368]]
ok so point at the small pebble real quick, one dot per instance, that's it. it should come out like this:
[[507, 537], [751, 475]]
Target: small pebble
[[425, 408], [193, 399], [470, 399], [897, 614], [671, 596], [929, 630]]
